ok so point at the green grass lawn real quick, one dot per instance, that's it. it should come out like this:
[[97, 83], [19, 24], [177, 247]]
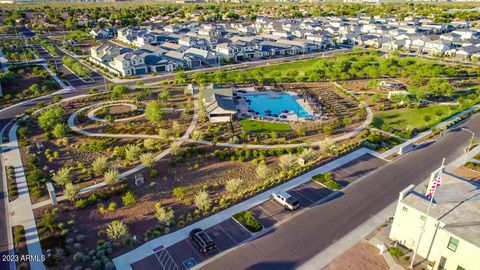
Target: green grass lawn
[[420, 119], [264, 127]]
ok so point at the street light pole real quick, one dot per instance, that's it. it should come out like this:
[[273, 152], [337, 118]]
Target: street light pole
[[469, 144]]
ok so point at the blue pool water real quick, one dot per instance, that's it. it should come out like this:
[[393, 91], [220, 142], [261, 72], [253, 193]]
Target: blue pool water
[[261, 103]]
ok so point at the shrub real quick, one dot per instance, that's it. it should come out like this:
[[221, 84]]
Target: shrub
[[132, 152], [147, 159], [395, 252], [163, 215], [246, 219], [154, 173], [62, 176], [129, 199], [99, 165], [234, 185], [264, 172], [327, 180], [60, 130], [71, 191], [288, 162], [179, 193], [116, 230], [202, 201], [111, 177], [112, 206]]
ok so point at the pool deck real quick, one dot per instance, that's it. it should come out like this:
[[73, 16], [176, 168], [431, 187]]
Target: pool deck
[[291, 116]]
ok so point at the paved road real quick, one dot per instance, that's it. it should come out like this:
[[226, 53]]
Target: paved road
[[298, 240]]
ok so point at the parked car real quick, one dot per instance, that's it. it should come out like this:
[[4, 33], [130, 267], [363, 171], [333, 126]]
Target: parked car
[[202, 240], [285, 199]]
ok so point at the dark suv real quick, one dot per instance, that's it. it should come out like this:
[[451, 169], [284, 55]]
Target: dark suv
[[202, 240]]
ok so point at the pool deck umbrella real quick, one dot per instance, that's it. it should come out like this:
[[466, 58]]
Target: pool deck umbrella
[[268, 111], [285, 111]]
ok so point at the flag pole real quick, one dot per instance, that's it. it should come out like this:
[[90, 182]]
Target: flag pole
[[422, 230]]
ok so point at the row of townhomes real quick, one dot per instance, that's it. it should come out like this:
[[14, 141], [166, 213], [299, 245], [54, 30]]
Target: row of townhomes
[[155, 48]]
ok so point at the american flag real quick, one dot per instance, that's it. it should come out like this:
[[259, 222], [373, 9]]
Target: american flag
[[436, 183]]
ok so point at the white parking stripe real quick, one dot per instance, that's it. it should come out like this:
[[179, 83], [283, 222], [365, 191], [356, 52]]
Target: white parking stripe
[[314, 190], [270, 214], [220, 226], [194, 248], [295, 191]]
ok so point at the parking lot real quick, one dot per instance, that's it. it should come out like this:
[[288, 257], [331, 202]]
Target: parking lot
[[184, 255], [353, 170], [227, 234]]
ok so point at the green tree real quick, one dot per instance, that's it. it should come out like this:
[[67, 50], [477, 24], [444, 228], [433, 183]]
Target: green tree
[[181, 77], [50, 117], [118, 91], [153, 112], [60, 130], [219, 77], [199, 77]]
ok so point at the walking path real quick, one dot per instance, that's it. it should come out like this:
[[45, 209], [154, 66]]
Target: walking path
[[136, 169], [20, 210]]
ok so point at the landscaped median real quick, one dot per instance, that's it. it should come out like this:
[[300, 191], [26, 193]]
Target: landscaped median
[[248, 221], [12, 185], [327, 180]]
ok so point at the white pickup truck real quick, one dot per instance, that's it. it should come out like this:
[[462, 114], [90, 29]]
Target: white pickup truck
[[285, 199]]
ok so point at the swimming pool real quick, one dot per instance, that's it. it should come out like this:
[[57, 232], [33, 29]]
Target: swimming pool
[[262, 103]]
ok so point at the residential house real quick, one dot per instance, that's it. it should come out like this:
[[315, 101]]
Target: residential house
[[130, 64], [436, 47], [103, 33], [103, 54], [466, 52], [206, 57]]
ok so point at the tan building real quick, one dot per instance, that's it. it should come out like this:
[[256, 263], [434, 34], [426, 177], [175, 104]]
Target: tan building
[[219, 104], [451, 239]]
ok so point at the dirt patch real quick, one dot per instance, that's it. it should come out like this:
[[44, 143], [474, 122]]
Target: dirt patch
[[362, 256]]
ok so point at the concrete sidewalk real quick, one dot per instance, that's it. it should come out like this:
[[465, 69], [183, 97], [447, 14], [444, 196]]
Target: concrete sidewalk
[[124, 261], [20, 210]]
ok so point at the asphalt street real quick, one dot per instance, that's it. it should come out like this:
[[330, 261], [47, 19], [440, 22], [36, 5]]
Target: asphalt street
[[296, 241]]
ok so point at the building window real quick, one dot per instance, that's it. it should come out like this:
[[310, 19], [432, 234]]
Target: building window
[[453, 244], [422, 217], [405, 209], [460, 268]]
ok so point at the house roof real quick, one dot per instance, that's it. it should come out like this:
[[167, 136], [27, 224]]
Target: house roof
[[218, 99], [456, 206]]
